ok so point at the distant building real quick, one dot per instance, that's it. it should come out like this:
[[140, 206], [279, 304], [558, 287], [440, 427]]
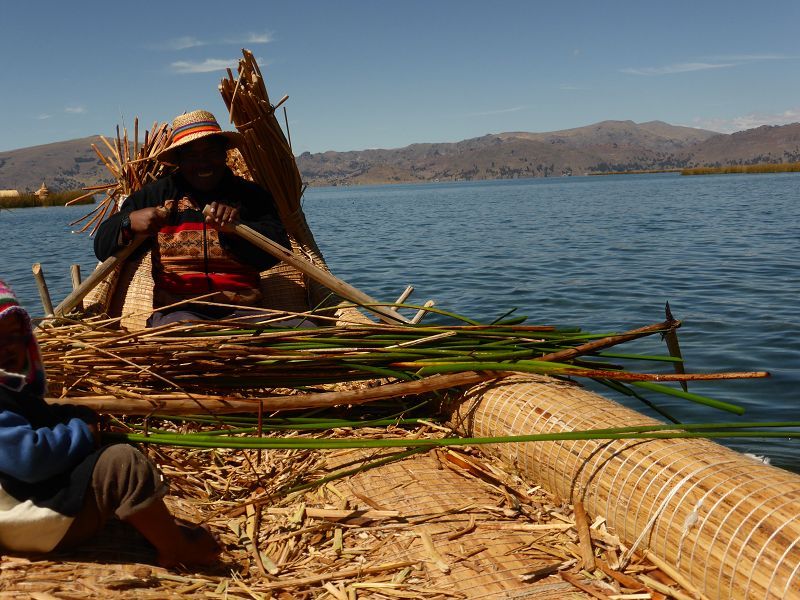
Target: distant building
[[42, 193]]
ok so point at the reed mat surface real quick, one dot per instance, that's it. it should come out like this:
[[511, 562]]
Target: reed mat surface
[[433, 525]]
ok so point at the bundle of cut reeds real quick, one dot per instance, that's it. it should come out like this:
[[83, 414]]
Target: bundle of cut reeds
[[268, 154], [266, 151], [131, 165], [226, 365]]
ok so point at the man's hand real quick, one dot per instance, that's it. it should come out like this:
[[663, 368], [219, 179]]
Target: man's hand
[[147, 221], [222, 216]]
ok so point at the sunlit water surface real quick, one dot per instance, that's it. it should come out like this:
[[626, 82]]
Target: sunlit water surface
[[602, 253]]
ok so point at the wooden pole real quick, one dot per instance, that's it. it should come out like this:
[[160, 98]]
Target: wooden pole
[[422, 312], [183, 403], [44, 293], [404, 296], [336, 285], [75, 274]]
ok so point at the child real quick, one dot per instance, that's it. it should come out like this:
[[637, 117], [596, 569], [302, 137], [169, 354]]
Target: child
[[57, 485]]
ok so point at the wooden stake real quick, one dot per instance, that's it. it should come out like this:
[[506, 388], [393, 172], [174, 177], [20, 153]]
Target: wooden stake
[[422, 312], [100, 273], [75, 274], [404, 296], [44, 293]]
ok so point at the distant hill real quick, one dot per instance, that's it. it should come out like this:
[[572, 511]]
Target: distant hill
[[608, 146], [61, 165], [604, 147], [766, 144]]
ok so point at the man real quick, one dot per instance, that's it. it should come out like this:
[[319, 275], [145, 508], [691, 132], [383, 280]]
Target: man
[[194, 255]]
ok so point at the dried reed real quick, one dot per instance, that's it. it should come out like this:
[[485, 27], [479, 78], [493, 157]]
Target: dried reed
[[130, 170], [485, 534], [226, 366]]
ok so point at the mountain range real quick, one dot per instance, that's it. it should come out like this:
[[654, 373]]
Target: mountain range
[[608, 146]]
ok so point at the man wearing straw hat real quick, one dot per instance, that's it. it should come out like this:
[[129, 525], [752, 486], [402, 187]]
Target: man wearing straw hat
[[196, 255], [58, 486]]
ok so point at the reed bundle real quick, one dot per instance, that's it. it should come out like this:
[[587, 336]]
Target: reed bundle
[[267, 151], [130, 166], [236, 367], [727, 522]]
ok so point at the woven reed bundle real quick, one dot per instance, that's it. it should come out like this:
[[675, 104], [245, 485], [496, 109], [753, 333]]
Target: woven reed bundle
[[726, 521]]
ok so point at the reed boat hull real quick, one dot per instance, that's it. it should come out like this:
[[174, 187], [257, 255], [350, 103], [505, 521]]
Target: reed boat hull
[[726, 522]]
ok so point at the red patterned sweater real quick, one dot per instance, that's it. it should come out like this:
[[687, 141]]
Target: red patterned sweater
[[191, 258]]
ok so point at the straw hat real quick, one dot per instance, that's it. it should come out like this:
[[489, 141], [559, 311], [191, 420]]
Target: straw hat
[[192, 126]]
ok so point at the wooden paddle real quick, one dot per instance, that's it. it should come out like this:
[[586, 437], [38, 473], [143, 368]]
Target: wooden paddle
[[345, 290]]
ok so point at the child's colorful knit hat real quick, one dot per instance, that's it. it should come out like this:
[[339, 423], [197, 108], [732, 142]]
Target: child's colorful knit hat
[[7, 297], [33, 379]]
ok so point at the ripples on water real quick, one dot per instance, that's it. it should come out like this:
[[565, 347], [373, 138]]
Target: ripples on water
[[602, 253]]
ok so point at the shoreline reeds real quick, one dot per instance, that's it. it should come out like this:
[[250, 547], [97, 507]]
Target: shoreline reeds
[[731, 169], [60, 198]]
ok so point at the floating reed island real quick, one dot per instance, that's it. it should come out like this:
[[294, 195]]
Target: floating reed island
[[399, 450]]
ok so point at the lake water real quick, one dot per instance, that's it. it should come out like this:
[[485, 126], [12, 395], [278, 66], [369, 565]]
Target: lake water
[[602, 253]]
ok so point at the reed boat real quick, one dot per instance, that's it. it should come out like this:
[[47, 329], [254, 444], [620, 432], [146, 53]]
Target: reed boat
[[678, 517]]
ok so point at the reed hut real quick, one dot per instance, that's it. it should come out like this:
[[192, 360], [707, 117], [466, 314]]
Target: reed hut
[[42, 193]]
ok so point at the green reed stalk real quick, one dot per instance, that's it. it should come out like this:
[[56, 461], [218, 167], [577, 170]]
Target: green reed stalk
[[663, 389], [708, 431], [623, 389]]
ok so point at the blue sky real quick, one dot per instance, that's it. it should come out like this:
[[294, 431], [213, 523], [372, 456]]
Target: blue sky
[[378, 74]]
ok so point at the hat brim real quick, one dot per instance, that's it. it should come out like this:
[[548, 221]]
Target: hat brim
[[169, 154]]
